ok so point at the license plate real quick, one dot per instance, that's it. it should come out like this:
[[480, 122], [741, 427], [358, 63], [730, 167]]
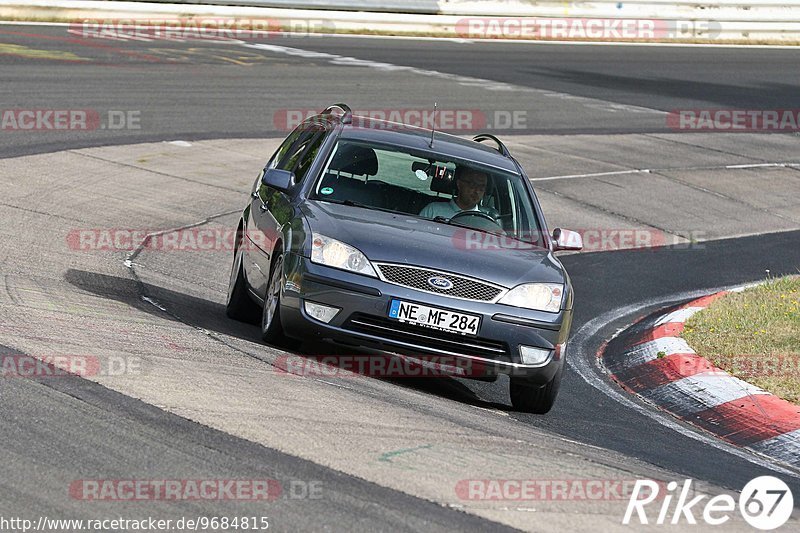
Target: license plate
[[433, 317]]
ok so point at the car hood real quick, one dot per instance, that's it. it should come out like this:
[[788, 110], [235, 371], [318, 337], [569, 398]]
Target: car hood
[[398, 238]]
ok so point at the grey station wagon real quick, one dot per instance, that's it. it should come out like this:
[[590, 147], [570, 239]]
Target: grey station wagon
[[406, 241]]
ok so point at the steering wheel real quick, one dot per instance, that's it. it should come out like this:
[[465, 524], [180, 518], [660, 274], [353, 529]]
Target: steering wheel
[[480, 218]]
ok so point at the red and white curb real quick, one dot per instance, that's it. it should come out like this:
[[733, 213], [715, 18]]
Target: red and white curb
[[661, 367]]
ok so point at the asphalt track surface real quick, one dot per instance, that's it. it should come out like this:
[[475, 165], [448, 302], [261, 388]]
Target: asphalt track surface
[[218, 91], [206, 90]]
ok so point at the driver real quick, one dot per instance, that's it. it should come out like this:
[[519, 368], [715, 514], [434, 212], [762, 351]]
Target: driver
[[470, 186]]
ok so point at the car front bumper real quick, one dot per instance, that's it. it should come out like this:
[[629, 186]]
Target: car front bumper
[[363, 322]]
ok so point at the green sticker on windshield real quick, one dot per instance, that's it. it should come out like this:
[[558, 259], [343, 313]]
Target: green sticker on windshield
[[326, 191]]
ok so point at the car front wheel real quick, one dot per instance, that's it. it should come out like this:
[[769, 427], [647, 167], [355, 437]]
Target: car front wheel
[[271, 328], [538, 399]]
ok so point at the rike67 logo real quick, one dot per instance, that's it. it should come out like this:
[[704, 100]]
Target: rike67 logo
[[766, 503]]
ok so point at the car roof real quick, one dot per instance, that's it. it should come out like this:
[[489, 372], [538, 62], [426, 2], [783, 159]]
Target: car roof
[[415, 138]]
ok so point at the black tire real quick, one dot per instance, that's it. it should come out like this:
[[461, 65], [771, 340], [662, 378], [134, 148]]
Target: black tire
[[239, 306], [271, 328], [537, 399]]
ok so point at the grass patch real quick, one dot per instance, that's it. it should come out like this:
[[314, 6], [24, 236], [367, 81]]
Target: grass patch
[[754, 335]]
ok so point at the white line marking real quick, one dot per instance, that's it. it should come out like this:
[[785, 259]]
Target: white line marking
[[151, 301], [671, 169], [759, 165], [588, 367], [748, 286], [493, 411], [594, 174], [385, 67], [467, 81], [334, 384]]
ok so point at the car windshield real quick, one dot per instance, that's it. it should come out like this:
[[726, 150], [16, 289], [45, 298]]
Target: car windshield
[[431, 186]]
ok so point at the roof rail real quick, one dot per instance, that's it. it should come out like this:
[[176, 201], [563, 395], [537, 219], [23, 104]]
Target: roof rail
[[487, 137], [347, 117], [500, 148]]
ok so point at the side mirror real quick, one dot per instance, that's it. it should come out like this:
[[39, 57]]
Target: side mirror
[[278, 179], [564, 239]]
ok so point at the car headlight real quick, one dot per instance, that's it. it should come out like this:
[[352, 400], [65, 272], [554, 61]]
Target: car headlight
[[336, 254], [536, 296]]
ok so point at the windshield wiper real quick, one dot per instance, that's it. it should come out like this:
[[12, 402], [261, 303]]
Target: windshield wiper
[[449, 222]]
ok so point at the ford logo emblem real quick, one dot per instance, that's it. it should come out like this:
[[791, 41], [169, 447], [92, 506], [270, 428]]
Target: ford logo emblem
[[440, 283]]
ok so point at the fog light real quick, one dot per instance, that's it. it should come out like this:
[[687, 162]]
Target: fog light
[[323, 313], [534, 356]]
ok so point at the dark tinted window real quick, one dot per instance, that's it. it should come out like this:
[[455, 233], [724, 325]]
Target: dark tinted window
[[284, 148], [300, 150]]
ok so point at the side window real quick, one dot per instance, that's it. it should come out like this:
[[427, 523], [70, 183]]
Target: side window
[[303, 156], [299, 154], [528, 224], [298, 151], [284, 148]]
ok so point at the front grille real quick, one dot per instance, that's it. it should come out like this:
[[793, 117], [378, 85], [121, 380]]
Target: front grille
[[417, 278], [453, 343]]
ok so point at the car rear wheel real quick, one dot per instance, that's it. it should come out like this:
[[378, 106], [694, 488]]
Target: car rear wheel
[[239, 305], [538, 399]]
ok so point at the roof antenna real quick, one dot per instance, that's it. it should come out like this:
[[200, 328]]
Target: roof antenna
[[433, 129]]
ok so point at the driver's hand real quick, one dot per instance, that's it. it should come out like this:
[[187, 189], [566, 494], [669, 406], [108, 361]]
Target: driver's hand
[[492, 212]]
